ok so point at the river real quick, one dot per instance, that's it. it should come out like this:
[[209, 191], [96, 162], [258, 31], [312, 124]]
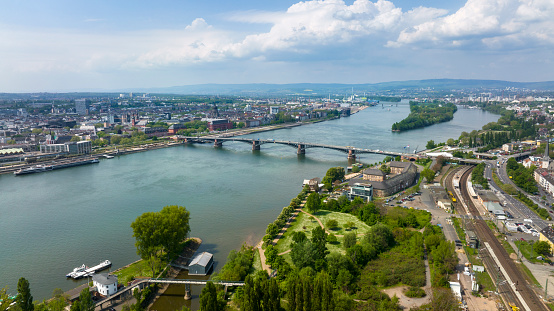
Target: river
[[55, 221]]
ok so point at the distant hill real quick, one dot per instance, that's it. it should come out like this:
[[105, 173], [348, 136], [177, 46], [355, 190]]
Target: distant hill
[[320, 89]]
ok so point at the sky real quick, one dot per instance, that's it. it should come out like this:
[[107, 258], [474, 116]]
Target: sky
[[58, 45]]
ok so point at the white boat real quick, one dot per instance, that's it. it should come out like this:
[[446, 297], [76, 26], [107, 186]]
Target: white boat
[[84, 271], [76, 271]]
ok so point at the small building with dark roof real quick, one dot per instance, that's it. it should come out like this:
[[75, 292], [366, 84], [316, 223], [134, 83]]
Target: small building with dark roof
[[201, 264]]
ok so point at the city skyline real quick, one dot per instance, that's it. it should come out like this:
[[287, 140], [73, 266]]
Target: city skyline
[[103, 46]]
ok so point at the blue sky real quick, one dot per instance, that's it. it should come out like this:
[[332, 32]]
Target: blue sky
[[107, 45]]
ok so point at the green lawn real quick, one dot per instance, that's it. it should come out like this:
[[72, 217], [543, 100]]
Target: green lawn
[[139, 268], [306, 224], [526, 249]]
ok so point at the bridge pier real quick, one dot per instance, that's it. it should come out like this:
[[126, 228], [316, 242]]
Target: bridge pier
[[351, 154], [301, 149], [218, 143], [188, 295], [255, 145]]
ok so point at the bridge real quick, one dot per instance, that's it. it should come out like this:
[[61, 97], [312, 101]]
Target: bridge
[[299, 146], [142, 283]]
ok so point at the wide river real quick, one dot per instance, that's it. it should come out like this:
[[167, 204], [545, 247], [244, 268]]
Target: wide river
[[55, 221]]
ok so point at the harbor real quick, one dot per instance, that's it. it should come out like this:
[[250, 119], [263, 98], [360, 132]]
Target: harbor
[[55, 165]]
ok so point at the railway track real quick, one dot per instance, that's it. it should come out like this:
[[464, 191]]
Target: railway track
[[504, 287]]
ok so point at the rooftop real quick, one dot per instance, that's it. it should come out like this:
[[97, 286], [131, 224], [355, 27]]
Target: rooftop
[[201, 259]]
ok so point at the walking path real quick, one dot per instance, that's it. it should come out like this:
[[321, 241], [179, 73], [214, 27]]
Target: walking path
[[261, 251]]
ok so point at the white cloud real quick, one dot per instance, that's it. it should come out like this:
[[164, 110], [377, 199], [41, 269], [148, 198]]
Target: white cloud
[[488, 23]]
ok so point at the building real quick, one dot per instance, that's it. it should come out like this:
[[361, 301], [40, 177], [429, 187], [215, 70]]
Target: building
[[487, 196], [508, 147], [273, 110], [471, 239], [201, 264], [547, 235], [219, 124], [402, 176], [545, 180], [82, 106], [361, 190], [80, 147], [105, 284]]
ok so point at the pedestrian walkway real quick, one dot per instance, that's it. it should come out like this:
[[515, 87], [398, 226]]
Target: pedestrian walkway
[[261, 251]]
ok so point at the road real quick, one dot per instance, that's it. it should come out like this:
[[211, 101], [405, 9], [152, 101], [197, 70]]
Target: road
[[518, 210]]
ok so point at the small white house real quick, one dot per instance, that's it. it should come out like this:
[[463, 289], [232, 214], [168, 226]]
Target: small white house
[[105, 284]]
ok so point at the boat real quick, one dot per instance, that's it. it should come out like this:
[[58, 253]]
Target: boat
[[84, 271], [34, 169], [76, 271]]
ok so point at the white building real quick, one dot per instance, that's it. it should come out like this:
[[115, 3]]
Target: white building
[[105, 284]]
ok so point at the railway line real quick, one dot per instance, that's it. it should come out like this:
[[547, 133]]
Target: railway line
[[511, 284]]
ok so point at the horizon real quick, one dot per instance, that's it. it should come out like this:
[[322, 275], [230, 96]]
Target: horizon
[[105, 46]]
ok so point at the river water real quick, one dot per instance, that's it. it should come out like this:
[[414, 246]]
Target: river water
[[55, 221]]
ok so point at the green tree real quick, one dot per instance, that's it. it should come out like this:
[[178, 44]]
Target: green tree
[[313, 203], [451, 142], [24, 298], [430, 145], [85, 302], [208, 298], [333, 174], [75, 138], [349, 240], [332, 223], [542, 248], [385, 169], [4, 299], [160, 233], [428, 174]]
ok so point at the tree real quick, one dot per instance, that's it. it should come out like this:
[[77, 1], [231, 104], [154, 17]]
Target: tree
[[208, 298], [428, 174], [331, 223], [4, 299], [333, 174], [349, 240], [430, 145], [75, 138], [542, 248], [313, 203], [24, 298], [385, 169], [451, 142], [160, 233], [85, 302]]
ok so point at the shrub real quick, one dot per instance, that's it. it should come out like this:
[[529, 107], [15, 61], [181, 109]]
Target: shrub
[[415, 292]]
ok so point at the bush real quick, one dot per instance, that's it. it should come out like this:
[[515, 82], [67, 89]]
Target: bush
[[332, 224], [415, 292], [332, 239]]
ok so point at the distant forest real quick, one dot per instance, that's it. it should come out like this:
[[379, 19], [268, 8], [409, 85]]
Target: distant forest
[[425, 114]]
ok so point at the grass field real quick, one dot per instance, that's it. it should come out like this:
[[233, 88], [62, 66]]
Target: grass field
[[139, 268], [526, 250], [305, 223]]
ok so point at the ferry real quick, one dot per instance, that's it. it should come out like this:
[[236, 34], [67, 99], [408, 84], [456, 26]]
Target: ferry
[[34, 169], [77, 272], [84, 271], [57, 165]]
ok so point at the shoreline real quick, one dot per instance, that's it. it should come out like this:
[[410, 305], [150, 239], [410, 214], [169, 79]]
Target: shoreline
[[167, 144]]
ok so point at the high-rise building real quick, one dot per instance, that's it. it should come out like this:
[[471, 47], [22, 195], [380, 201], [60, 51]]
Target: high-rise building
[[81, 106]]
